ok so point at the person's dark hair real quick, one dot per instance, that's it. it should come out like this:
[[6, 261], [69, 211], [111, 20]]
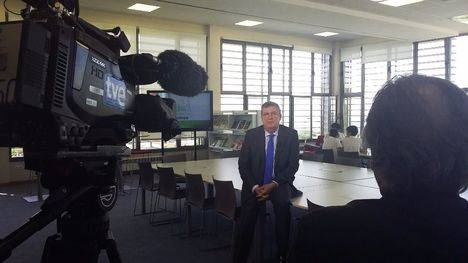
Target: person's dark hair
[[417, 131], [271, 104], [333, 133], [352, 130], [336, 126]]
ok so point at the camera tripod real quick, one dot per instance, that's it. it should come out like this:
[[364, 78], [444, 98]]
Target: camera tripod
[[81, 193]]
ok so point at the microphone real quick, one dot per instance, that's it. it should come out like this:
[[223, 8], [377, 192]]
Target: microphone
[[173, 70]]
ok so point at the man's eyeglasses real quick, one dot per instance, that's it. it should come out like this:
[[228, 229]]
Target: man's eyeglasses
[[270, 114]]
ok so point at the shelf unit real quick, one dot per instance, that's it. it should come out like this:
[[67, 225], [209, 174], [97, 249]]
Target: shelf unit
[[228, 133]]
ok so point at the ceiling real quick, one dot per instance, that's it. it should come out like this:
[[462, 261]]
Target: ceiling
[[352, 19]]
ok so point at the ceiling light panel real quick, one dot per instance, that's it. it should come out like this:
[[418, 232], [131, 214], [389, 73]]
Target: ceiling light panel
[[249, 23], [396, 3], [143, 7], [326, 34]]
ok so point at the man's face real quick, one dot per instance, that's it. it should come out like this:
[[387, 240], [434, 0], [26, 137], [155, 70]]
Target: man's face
[[271, 118]]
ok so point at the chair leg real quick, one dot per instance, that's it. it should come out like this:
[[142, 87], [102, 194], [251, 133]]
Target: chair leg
[[136, 200], [203, 224], [154, 209]]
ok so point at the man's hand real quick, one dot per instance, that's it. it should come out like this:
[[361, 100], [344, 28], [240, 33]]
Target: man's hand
[[263, 192]]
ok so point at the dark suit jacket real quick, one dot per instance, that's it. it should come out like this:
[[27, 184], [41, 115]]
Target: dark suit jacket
[[252, 157], [427, 229]]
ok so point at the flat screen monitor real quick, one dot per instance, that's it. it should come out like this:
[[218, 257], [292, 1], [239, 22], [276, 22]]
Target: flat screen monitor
[[193, 113]]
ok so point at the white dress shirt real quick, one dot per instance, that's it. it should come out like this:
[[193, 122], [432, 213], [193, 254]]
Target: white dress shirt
[[331, 143], [267, 140], [351, 144]]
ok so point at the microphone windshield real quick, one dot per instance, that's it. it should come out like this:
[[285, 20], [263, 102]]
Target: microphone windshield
[[180, 75], [173, 70]]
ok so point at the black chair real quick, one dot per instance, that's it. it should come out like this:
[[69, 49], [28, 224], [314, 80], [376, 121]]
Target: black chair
[[328, 156], [225, 200], [148, 181], [311, 206], [342, 153], [170, 189], [316, 157], [226, 205], [196, 197], [348, 161]]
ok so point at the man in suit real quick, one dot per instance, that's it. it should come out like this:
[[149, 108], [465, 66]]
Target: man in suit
[[268, 160]]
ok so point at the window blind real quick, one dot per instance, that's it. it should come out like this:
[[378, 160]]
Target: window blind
[[431, 58], [256, 70], [459, 61], [231, 67]]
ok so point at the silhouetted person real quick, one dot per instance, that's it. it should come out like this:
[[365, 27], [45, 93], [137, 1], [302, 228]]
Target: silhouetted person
[[417, 130]]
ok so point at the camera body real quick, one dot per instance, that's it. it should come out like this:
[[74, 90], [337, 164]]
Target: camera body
[[57, 81]]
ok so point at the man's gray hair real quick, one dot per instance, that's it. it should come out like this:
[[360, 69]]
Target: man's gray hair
[[271, 104]]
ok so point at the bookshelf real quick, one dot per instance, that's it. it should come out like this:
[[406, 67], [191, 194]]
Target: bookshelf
[[228, 133]]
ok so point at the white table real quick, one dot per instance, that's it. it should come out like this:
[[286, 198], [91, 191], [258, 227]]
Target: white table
[[322, 183]]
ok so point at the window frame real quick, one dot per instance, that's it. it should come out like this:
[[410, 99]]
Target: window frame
[[289, 92]]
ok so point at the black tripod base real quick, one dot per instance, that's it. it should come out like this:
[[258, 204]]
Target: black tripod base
[[58, 250]]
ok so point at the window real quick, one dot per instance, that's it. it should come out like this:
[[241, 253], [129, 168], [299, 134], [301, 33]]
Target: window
[[352, 75], [322, 114], [280, 70], [232, 102], [255, 102], [352, 85], [459, 61], [302, 117], [321, 73], [431, 58], [352, 111], [231, 65], [288, 77], [256, 70], [401, 67], [374, 78], [301, 73]]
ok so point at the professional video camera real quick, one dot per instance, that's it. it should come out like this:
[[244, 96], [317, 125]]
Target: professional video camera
[[68, 98]]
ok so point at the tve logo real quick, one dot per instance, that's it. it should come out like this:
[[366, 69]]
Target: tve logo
[[114, 92]]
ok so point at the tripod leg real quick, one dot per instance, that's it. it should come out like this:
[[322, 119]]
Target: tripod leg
[[50, 248], [112, 252]]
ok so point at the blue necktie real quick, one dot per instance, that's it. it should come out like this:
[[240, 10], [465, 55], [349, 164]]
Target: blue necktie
[[270, 152]]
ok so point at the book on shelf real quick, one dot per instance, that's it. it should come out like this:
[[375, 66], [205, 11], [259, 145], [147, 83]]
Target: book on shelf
[[220, 122], [220, 142], [246, 125], [240, 125], [237, 144], [235, 124]]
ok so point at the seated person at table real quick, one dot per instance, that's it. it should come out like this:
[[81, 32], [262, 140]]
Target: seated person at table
[[332, 141], [417, 131], [337, 127], [351, 143]]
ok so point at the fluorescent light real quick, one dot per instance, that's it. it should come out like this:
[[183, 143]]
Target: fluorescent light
[[143, 7], [326, 34], [397, 3], [249, 23], [461, 19]]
